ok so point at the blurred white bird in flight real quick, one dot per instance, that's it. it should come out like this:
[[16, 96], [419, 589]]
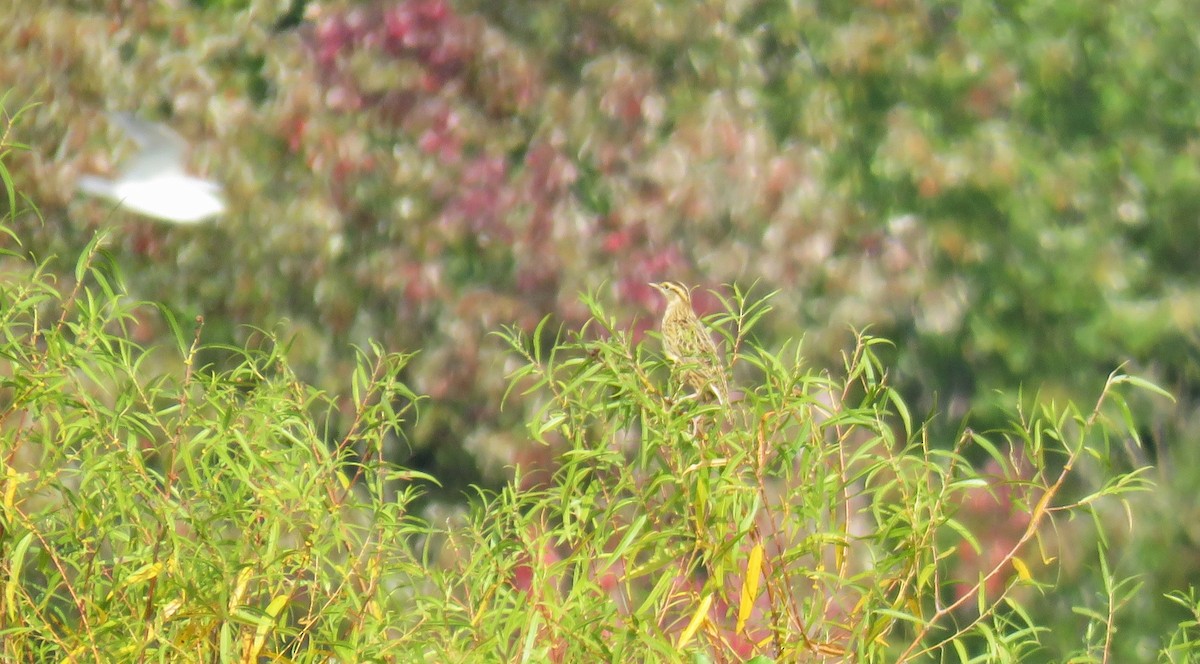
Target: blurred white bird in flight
[[153, 182]]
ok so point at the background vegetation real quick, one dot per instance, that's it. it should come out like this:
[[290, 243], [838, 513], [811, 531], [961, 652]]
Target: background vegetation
[[1007, 192]]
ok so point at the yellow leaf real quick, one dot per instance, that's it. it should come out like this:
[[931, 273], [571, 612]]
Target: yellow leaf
[[239, 590], [171, 608], [1022, 570], [13, 479], [750, 587], [276, 605], [914, 607], [697, 619], [144, 573], [1040, 507], [265, 624]]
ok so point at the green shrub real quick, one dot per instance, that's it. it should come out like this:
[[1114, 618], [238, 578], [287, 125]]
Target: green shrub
[[814, 516], [213, 513], [197, 515]]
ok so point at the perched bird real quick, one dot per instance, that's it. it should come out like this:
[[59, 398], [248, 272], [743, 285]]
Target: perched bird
[[153, 182], [687, 343]]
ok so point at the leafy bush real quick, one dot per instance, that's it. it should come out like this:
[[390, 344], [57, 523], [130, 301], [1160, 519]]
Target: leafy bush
[[811, 519], [199, 515], [216, 514]]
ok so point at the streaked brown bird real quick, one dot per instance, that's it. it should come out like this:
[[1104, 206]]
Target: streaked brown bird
[[687, 343]]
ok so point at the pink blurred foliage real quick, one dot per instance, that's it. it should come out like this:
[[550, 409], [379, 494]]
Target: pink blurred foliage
[[455, 378], [549, 175], [537, 277], [426, 31], [334, 34], [642, 265], [479, 206], [441, 138], [418, 282]]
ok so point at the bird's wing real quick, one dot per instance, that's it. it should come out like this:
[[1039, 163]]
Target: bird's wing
[[710, 346], [161, 150]]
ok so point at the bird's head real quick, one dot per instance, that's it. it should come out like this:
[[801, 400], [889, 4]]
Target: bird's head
[[674, 291]]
